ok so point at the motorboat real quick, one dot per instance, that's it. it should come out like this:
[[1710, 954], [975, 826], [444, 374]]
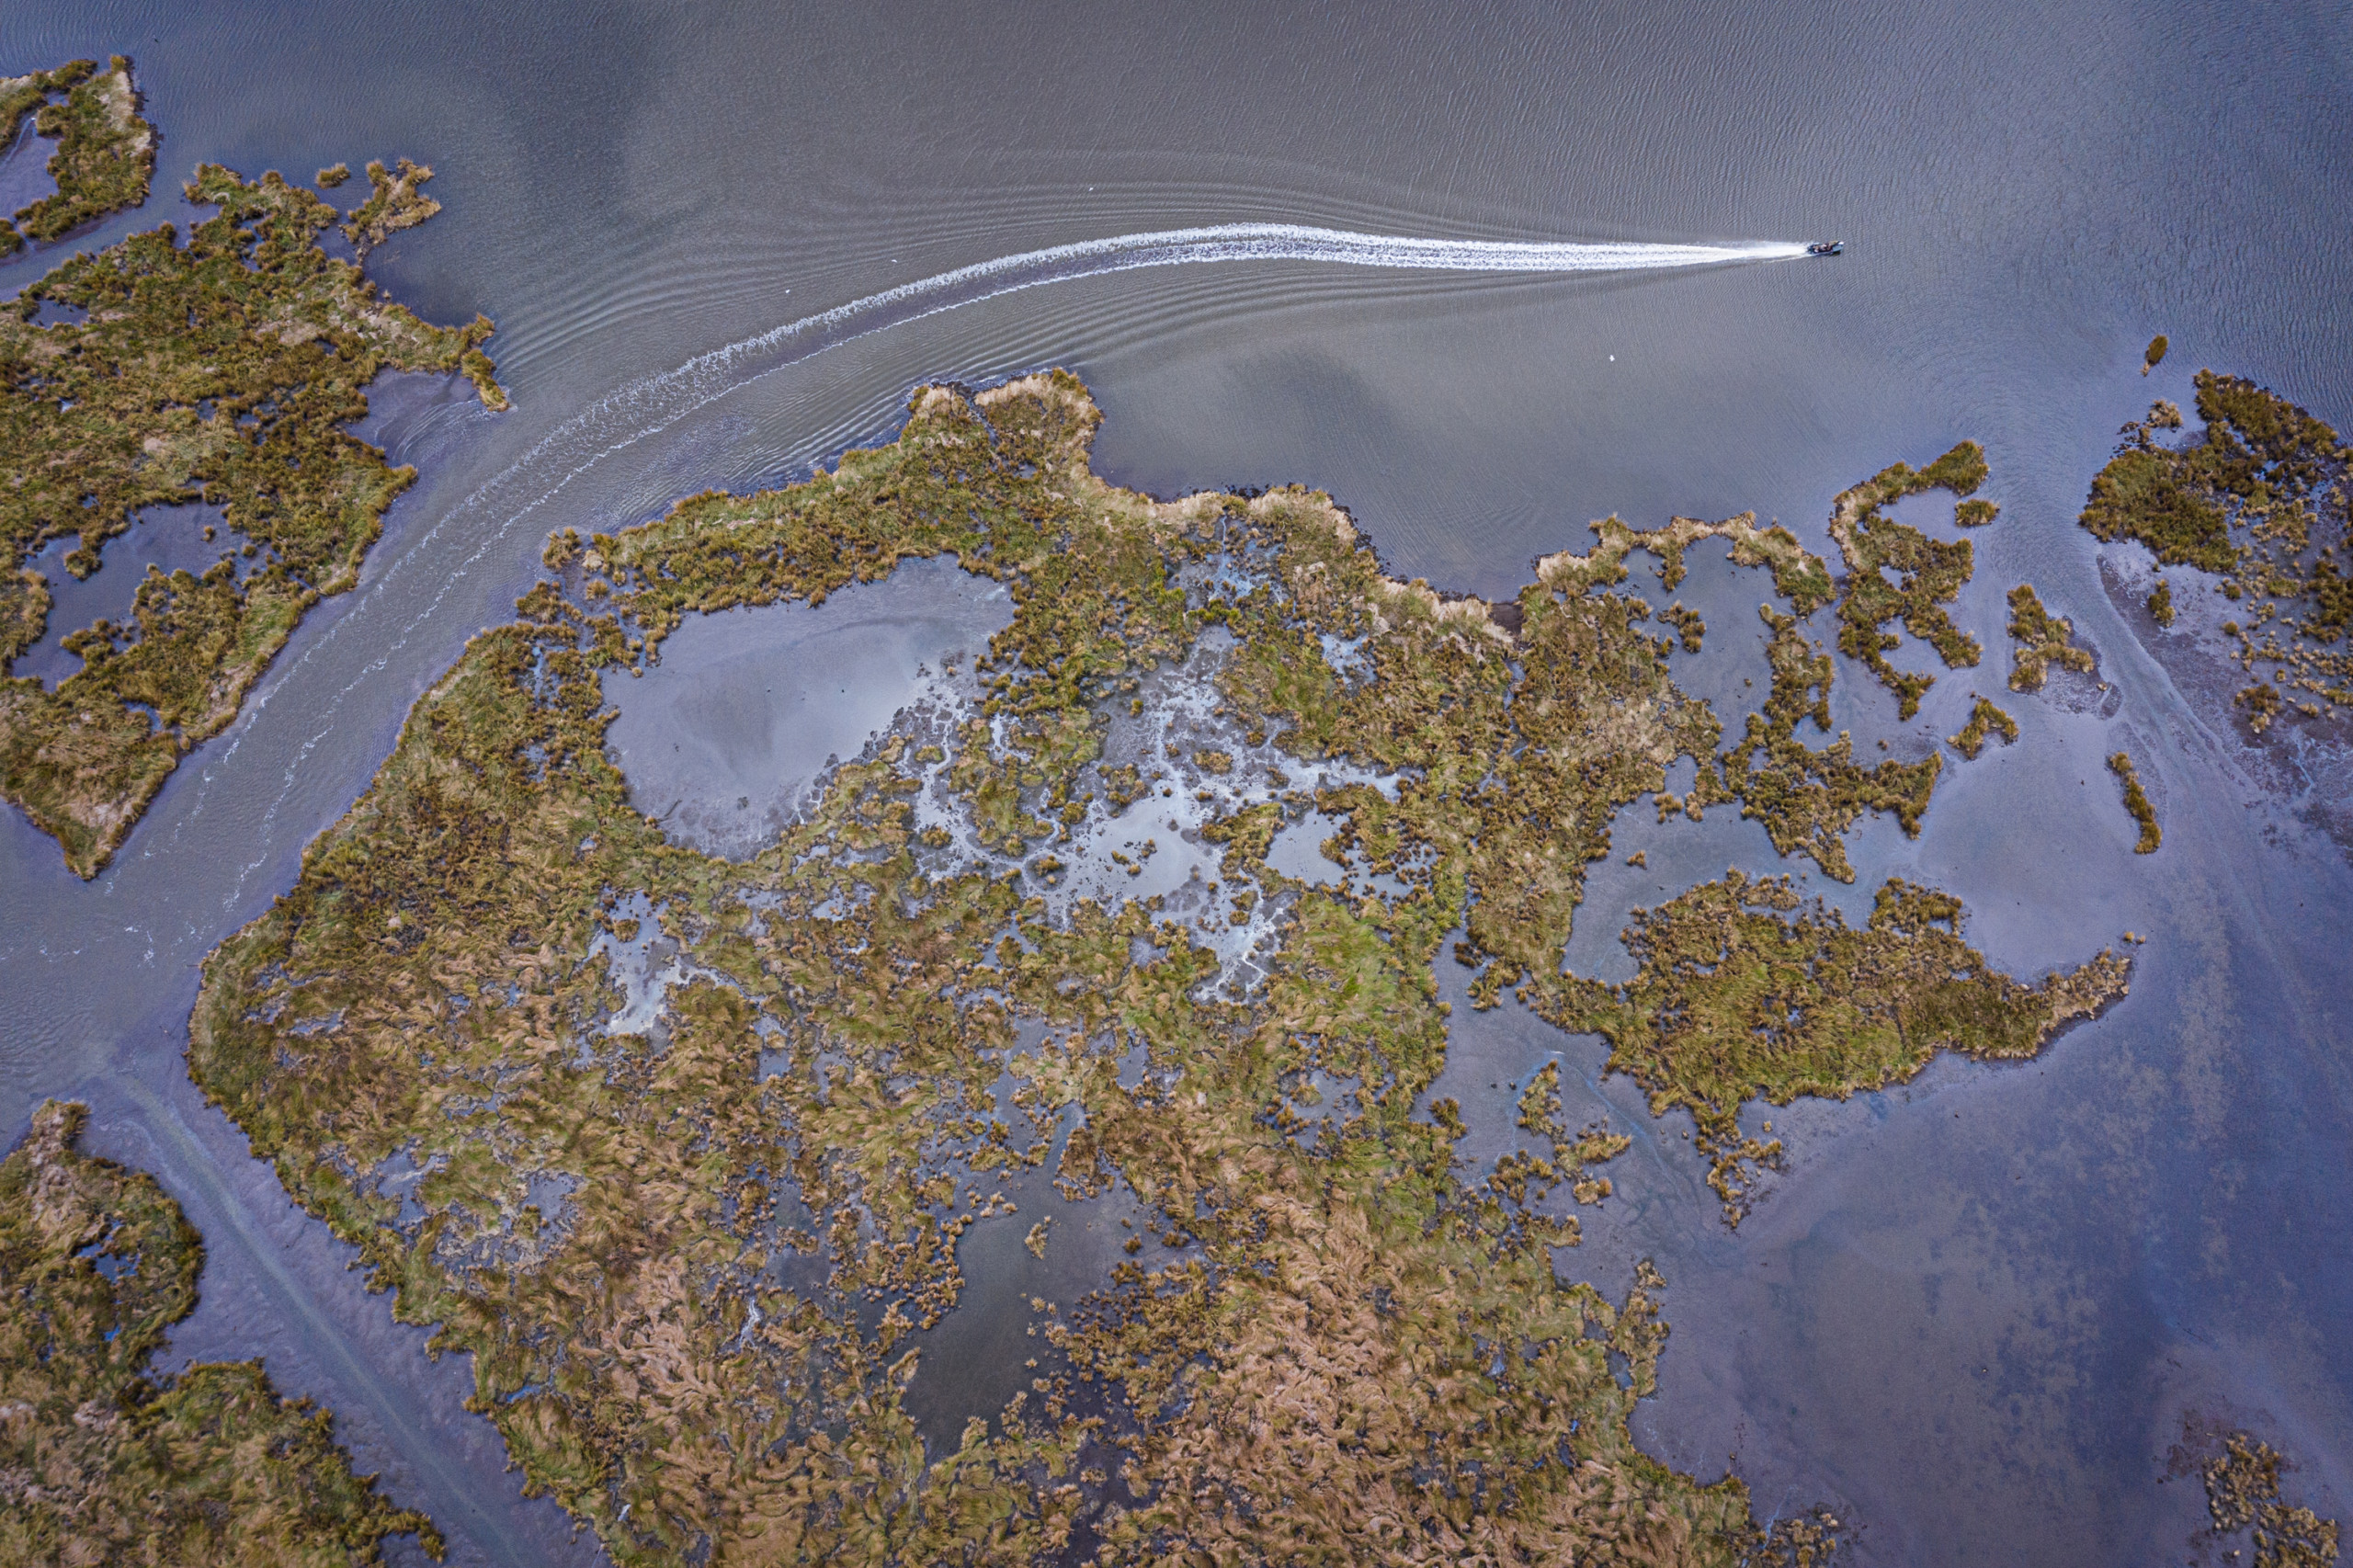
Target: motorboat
[[1827, 247]]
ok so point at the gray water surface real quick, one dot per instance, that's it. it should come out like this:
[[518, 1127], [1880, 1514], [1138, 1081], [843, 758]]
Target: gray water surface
[[1977, 1331], [724, 738]]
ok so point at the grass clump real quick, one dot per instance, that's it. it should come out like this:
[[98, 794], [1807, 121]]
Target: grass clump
[[109, 1460], [1688, 626], [2043, 640], [1797, 575], [1747, 991], [2154, 355], [105, 152], [2136, 801], [2147, 495], [1984, 721], [220, 369], [2262, 702], [2161, 603], [2242, 1493]]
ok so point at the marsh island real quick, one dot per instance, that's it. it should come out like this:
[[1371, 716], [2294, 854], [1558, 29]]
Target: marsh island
[[218, 367], [689, 1151], [2254, 503]]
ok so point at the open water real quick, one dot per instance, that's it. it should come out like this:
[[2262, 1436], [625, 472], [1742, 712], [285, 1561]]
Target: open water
[[1974, 1313]]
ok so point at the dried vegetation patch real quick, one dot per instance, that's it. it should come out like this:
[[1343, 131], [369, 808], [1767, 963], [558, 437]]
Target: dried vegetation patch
[[103, 1460], [2244, 1501]]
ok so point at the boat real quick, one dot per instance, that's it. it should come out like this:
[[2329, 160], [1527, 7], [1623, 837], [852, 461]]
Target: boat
[[1827, 247]]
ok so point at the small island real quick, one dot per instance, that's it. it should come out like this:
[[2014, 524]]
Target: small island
[[2043, 640], [2137, 802], [1747, 991], [221, 370], [1986, 720]]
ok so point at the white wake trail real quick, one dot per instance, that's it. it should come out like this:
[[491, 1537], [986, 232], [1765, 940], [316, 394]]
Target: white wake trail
[[644, 408], [1173, 248], [656, 403]]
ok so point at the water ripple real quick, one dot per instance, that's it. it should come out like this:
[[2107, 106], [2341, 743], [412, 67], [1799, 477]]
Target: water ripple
[[644, 408]]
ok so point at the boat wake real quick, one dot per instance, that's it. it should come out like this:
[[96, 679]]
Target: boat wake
[[643, 409], [1236, 242], [723, 369], [646, 407]]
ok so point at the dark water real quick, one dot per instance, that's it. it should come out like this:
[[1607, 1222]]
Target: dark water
[[1972, 1312]]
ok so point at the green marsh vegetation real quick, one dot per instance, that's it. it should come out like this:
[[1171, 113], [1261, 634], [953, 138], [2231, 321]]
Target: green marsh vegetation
[[1986, 720], [2043, 640], [2262, 702], [1929, 573], [105, 152], [687, 1262], [1748, 992], [103, 1460], [2136, 801], [2257, 501], [396, 200], [1808, 799], [219, 370]]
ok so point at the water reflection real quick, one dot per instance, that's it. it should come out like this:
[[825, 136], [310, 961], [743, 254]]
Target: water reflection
[[724, 737]]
